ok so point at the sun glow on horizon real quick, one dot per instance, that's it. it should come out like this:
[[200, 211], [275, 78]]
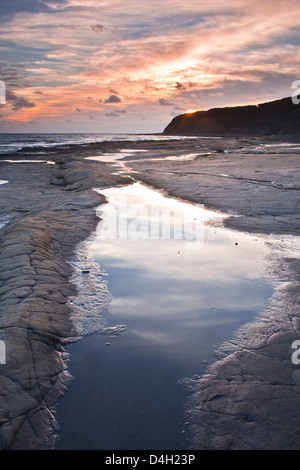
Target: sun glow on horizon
[[65, 70]]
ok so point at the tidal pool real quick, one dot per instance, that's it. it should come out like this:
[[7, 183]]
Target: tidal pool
[[182, 286]]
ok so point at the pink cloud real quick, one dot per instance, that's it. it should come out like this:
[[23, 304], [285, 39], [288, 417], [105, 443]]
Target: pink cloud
[[87, 48]]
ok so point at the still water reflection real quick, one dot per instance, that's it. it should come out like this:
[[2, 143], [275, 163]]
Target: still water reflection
[[179, 300]]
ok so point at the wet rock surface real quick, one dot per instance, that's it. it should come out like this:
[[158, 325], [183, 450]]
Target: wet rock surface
[[249, 399], [48, 220], [259, 191]]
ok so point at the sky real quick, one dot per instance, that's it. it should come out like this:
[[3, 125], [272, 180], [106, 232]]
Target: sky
[[131, 66]]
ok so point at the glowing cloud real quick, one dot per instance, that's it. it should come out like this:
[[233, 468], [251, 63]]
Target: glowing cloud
[[74, 54]]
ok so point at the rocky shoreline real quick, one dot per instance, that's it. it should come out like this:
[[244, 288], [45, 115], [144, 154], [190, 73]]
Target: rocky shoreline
[[53, 209], [250, 397]]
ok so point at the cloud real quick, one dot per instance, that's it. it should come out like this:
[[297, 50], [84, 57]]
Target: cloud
[[113, 99], [183, 86], [116, 112], [18, 102], [189, 53], [111, 114], [14, 6], [72, 26], [14, 75], [97, 28], [164, 102], [217, 93]]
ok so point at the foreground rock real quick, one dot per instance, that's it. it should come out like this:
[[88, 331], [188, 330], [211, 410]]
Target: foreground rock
[[258, 190], [48, 221], [249, 399]]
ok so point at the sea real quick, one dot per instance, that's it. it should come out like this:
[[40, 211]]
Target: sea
[[43, 143]]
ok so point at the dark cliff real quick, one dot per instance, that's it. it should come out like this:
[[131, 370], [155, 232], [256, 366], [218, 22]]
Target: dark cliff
[[280, 117]]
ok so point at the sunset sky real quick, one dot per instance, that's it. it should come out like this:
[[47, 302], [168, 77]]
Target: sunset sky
[[130, 66]]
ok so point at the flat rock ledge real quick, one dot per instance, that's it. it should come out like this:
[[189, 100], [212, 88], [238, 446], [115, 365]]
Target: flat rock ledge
[[49, 220], [249, 398]]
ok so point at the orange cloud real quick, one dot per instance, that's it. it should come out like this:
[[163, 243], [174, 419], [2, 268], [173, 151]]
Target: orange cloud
[[84, 49]]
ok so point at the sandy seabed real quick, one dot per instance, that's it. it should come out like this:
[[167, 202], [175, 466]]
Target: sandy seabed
[[248, 399]]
